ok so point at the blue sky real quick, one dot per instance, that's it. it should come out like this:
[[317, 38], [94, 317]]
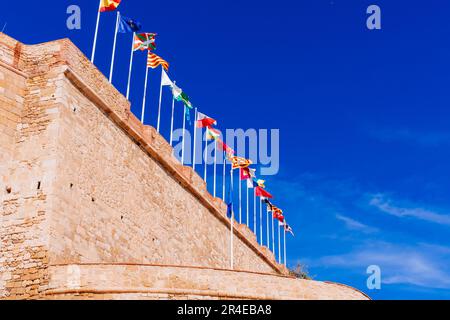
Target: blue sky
[[363, 116]]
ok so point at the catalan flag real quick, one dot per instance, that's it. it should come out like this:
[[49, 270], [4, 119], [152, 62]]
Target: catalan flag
[[109, 5], [153, 61], [144, 41]]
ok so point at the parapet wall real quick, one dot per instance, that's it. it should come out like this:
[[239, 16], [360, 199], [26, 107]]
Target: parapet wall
[[86, 185]]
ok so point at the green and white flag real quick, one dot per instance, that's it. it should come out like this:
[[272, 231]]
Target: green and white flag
[[179, 95]]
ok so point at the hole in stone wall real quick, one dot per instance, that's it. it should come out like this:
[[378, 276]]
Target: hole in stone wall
[[121, 217], [93, 200], [71, 185], [8, 189], [39, 185], [74, 109]]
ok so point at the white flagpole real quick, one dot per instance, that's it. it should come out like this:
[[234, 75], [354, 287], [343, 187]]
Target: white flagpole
[[255, 228], [215, 167], [195, 140], [273, 236], [114, 47], [240, 200], [171, 121], [268, 231], [131, 66], [205, 156], [184, 129], [232, 225], [160, 98], [224, 177], [285, 263], [279, 244], [260, 221], [96, 32], [145, 95], [248, 212]]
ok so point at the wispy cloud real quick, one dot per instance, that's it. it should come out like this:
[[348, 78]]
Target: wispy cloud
[[399, 264], [356, 225], [424, 139], [385, 205]]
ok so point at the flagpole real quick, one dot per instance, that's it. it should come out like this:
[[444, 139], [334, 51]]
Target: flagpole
[[215, 167], [268, 231], [285, 263], [205, 156], [171, 121], [195, 139], [240, 200], [131, 66], [224, 177], [254, 212], [248, 212], [232, 222], [96, 32], [273, 236], [261, 222], [279, 244], [160, 98], [114, 48], [184, 129], [145, 96]]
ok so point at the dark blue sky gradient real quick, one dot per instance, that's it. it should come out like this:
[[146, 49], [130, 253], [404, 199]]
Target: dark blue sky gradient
[[363, 115]]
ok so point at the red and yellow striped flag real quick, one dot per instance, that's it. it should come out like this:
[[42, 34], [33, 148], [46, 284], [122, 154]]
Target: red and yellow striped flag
[[153, 61], [109, 5]]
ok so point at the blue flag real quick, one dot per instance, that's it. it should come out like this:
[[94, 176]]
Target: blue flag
[[129, 25]]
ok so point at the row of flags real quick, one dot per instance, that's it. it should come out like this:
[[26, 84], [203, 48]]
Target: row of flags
[[146, 42]]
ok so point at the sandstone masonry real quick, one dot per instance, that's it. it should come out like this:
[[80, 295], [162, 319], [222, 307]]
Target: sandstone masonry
[[94, 205]]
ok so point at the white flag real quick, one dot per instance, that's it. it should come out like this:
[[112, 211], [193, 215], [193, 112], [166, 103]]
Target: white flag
[[165, 80]]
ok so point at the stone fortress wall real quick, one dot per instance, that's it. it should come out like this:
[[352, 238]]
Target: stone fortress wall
[[94, 205]]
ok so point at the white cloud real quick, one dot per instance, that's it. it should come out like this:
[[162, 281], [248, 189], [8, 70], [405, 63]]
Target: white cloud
[[385, 206], [420, 266], [355, 225]]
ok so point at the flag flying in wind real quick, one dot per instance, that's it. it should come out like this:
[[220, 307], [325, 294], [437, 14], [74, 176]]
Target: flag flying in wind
[[165, 80], [260, 192], [287, 228], [239, 163], [154, 61], [109, 5], [212, 134], [129, 25], [203, 121], [179, 95], [222, 146], [144, 41]]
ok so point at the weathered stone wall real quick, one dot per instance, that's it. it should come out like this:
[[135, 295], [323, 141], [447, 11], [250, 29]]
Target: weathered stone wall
[[84, 183]]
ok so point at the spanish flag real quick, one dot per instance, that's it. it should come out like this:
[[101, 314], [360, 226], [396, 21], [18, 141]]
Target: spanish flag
[[109, 5]]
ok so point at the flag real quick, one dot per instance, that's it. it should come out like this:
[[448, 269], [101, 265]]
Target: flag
[[203, 121], [109, 5], [144, 41], [225, 148], [230, 210], [260, 192], [165, 80], [212, 134], [261, 183], [245, 173], [287, 228], [239, 163], [251, 183], [154, 61], [179, 95], [129, 25]]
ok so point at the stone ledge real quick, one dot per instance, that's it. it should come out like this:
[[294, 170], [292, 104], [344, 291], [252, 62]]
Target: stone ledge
[[74, 280]]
